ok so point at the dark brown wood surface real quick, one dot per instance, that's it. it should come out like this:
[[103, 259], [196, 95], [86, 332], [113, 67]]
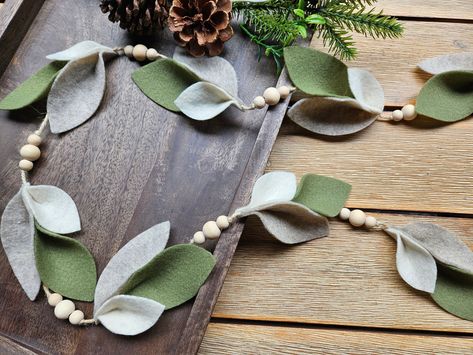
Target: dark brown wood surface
[[131, 166]]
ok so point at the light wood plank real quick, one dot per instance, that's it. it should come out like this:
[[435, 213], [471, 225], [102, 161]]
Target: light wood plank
[[441, 9], [348, 278], [256, 339]]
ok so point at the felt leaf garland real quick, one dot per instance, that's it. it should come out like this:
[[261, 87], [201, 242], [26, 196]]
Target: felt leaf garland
[[80, 50], [449, 62], [32, 89], [65, 265], [129, 315], [130, 258], [172, 277], [368, 92]]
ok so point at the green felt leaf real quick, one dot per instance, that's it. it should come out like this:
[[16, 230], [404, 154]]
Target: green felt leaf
[[447, 96], [317, 73], [322, 194], [172, 277], [163, 81], [65, 265], [33, 89], [454, 291]]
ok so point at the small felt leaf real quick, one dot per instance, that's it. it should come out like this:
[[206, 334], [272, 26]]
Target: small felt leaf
[[163, 81], [130, 258], [203, 101], [172, 277], [317, 73], [330, 116], [454, 292], [447, 96], [65, 265], [76, 93], [32, 89], [81, 50], [129, 315], [366, 90], [215, 70], [17, 235], [449, 62], [276, 186], [52, 208], [322, 194]]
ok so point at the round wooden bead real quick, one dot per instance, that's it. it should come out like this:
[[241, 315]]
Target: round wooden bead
[[370, 222], [64, 309], [139, 52], [25, 165], [128, 50], [397, 115], [54, 299], [409, 112], [271, 96], [284, 91], [222, 222], [259, 102], [34, 139], [211, 230], [30, 152], [199, 237], [76, 317], [357, 218], [152, 54], [344, 214]]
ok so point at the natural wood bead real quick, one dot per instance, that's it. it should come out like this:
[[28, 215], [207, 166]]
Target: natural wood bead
[[344, 214], [30, 152], [199, 238], [259, 102], [34, 139], [54, 299], [64, 309], [211, 230], [271, 96], [357, 218], [152, 54], [128, 50], [409, 112], [76, 317], [370, 222], [397, 115], [222, 222], [25, 165], [139, 52], [284, 91]]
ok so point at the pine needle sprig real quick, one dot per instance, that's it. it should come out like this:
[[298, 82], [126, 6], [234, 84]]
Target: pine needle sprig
[[339, 41]]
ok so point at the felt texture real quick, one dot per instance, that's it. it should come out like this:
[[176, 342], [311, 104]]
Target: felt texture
[[32, 89], [17, 235], [449, 62], [130, 258], [447, 96], [215, 70], [203, 101], [163, 81], [76, 93], [80, 50], [276, 186], [454, 292], [317, 73], [322, 194], [367, 91], [65, 265], [52, 208], [129, 315], [172, 277]]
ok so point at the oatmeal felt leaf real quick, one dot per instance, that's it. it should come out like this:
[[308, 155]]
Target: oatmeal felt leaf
[[52, 208], [447, 96], [81, 50], [367, 91], [448, 62], [17, 234], [32, 89], [129, 315], [130, 258], [65, 265], [322, 194], [164, 80], [172, 277]]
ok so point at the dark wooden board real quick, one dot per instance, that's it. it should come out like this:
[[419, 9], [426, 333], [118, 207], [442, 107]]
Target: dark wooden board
[[132, 165]]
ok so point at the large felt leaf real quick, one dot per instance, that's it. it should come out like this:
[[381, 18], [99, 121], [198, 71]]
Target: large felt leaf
[[17, 235], [172, 277], [81, 50], [129, 315], [163, 81], [317, 73], [76, 93], [322, 194], [130, 258], [447, 96], [449, 62], [52, 207], [32, 89], [367, 91], [276, 186], [65, 265]]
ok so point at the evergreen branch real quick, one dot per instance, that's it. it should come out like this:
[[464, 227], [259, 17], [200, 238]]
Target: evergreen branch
[[339, 41], [358, 3]]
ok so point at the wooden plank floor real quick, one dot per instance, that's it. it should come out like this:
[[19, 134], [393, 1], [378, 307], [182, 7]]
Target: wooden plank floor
[[342, 294]]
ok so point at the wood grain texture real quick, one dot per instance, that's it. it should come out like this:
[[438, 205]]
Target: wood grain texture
[[9, 347], [436, 9], [256, 339]]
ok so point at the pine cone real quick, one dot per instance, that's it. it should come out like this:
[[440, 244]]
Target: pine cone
[[137, 16], [201, 26]]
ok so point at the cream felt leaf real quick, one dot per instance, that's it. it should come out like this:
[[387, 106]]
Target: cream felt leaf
[[215, 70], [131, 257], [330, 116], [76, 93], [367, 90], [203, 101], [17, 234], [80, 50], [448, 62], [273, 187], [129, 315], [52, 208]]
